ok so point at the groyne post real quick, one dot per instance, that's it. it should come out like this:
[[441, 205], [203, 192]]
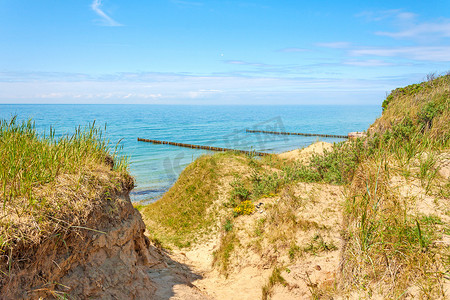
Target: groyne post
[[202, 147], [298, 133]]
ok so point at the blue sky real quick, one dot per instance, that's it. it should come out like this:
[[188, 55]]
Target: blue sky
[[218, 52]]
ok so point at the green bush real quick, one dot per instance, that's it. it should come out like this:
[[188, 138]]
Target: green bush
[[239, 191], [430, 111]]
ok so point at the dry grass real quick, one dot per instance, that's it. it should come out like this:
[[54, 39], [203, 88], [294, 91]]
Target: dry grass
[[389, 248], [392, 248], [427, 103]]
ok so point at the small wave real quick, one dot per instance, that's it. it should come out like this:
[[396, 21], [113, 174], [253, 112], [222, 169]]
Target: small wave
[[147, 192]]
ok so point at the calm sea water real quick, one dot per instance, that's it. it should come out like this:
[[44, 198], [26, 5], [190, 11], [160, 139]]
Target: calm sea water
[[156, 167]]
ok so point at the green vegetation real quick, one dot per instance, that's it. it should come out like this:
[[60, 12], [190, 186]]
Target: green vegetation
[[383, 231], [318, 244], [336, 166], [228, 226], [186, 212], [50, 185], [223, 254], [239, 192], [391, 245]]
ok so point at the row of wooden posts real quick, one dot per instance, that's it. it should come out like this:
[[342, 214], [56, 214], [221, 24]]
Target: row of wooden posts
[[202, 147], [297, 133], [241, 151]]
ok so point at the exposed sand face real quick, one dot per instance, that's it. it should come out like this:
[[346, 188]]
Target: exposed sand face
[[302, 155]]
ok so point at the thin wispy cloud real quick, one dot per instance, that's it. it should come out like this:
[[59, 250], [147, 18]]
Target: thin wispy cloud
[[429, 39], [394, 14], [245, 63], [409, 27], [291, 50], [420, 53], [107, 20], [334, 45], [160, 88], [423, 30], [367, 63]]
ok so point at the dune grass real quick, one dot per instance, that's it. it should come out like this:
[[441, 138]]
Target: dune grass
[[274, 279], [390, 247], [48, 184], [28, 160], [186, 212]]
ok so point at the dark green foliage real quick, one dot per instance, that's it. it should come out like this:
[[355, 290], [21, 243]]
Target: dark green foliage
[[409, 90], [265, 184], [387, 101], [402, 131], [433, 109], [336, 166], [239, 192]]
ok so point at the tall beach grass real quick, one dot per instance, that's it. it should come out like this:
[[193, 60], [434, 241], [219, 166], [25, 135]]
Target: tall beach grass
[[49, 184]]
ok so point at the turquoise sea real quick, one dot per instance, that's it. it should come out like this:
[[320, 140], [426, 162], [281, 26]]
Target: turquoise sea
[[156, 167]]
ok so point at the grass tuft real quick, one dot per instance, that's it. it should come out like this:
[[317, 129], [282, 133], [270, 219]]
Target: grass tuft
[[187, 212], [222, 257], [49, 185], [274, 279], [388, 244]]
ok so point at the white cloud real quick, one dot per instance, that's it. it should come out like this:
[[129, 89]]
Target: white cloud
[[441, 29], [421, 53], [406, 16], [367, 63], [334, 45], [395, 14], [51, 96], [244, 63], [408, 25], [140, 96], [165, 88], [293, 50], [107, 20]]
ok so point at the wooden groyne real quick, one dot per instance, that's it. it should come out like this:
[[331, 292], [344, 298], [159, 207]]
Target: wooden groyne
[[297, 133], [201, 147]]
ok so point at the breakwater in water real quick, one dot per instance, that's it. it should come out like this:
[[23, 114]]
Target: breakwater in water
[[298, 133], [202, 147]]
